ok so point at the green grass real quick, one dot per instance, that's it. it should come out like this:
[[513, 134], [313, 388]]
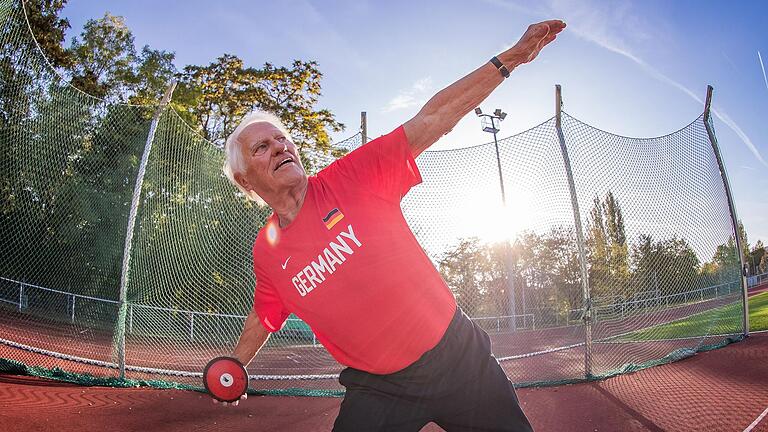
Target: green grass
[[758, 312], [725, 319]]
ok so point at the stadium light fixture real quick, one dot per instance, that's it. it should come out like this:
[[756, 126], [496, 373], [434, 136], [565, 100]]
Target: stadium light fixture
[[491, 123]]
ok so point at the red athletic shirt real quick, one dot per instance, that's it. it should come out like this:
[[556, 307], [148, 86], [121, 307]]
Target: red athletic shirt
[[350, 267]]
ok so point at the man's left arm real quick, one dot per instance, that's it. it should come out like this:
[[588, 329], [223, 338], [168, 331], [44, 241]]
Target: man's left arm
[[451, 104]]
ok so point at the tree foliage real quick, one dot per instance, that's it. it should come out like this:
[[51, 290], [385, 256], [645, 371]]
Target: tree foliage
[[757, 259], [72, 194], [49, 29], [475, 273], [546, 269], [103, 58], [217, 96], [663, 267], [607, 250]]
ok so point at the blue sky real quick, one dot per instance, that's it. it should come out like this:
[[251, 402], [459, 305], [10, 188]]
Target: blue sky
[[635, 68]]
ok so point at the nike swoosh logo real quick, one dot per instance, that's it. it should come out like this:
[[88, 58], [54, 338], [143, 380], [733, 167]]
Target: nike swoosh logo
[[286, 263]]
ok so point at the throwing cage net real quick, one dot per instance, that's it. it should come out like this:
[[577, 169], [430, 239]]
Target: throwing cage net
[[647, 272]]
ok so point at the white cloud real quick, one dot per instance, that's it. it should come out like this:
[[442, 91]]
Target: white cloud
[[730, 62], [732, 124], [612, 25], [412, 96], [763, 68]]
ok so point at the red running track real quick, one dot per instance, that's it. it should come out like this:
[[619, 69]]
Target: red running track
[[720, 390], [291, 360]]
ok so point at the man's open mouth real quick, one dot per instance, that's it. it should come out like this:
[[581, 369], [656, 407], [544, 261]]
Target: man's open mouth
[[284, 162]]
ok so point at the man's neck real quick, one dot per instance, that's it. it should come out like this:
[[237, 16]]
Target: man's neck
[[287, 206]]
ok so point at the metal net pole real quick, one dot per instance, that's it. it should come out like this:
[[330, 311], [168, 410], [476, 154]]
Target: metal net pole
[[731, 208], [587, 314], [129, 233]]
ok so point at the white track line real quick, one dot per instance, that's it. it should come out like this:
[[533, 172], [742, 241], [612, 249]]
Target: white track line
[[757, 420]]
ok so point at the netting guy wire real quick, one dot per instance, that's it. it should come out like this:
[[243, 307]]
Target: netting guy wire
[[731, 208], [131, 223], [587, 314]]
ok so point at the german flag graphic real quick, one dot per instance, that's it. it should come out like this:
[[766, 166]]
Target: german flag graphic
[[333, 217]]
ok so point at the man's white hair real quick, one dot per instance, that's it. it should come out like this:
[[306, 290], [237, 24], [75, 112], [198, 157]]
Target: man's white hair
[[233, 162]]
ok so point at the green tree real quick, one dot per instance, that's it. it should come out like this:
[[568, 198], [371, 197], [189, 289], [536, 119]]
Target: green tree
[[25, 79], [471, 270], [664, 267], [726, 256], [607, 250], [49, 29], [292, 93], [764, 264], [72, 193], [550, 274], [217, 96], [153, 73], [103, 58], [756, 258]]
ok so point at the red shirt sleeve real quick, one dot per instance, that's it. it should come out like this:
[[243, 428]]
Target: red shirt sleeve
[[267, 303], [384, 166]]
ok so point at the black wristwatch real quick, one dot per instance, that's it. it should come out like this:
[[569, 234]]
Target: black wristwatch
[[500, 66]]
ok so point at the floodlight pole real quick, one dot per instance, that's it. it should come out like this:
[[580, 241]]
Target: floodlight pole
[[586, 296], [508, 264], [129, 231], [498, 159], [731, 208]]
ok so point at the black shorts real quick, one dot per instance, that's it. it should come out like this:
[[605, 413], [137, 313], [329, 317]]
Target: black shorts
[[458, 384]]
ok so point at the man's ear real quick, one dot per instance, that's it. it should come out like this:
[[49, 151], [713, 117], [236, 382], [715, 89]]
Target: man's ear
[[240, 179]]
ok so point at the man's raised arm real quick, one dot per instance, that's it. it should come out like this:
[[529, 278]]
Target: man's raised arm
[[449, 105]]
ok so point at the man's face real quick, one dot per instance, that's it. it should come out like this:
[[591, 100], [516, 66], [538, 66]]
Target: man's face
[[270, 159]]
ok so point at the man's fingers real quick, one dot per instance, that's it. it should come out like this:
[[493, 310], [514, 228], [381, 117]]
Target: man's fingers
[[235, 403], [547, 40], [555, 25]]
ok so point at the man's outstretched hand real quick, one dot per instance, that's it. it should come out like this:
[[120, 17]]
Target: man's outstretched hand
[[536, 37], [235, 403]]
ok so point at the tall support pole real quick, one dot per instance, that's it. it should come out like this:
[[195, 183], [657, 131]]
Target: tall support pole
[[364, 126], [586, 296], [509, 267], [731, 208], [129, 232]]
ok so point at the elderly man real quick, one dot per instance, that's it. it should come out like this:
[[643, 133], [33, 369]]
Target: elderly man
[[337, 252]]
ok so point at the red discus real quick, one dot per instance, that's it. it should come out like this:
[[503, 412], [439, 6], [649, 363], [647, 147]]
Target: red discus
[[225, 378]]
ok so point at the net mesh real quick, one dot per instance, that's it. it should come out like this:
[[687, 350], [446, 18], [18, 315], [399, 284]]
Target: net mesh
[[662, 271]]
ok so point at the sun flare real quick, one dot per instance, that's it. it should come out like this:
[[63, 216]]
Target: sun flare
[[491, 221]]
